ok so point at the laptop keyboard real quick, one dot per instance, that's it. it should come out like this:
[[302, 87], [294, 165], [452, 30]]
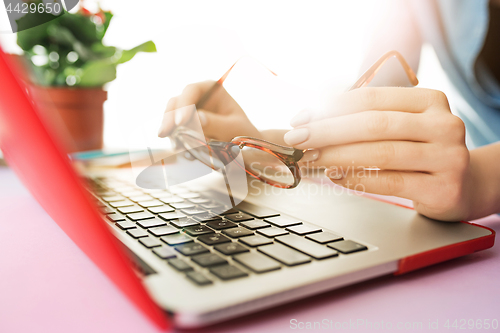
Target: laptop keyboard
[[179, 227]]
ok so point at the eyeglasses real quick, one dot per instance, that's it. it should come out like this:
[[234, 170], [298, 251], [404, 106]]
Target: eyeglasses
[[268, 162]]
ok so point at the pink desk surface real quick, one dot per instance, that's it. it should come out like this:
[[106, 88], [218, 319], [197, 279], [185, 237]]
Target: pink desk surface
[[48, 285]]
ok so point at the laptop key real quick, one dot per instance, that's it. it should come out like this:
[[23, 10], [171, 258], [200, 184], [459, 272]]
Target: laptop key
[[257, 262], [193, 211], [284, 254], [210, 205], [206, 217], [229, 211], [140, 216], [230, 249], [161, 209], [162, 231], [112, 198], [198, 278], [104, 193], [126, 225], [150, 223], [140, 197], [219, 225], [347, 246], [237, 232], [198, 201], [238, 217], [257, 211], [213, 239], [176, 239], [282, 221], [308, 247], [123, 203], [137, 233], [133, 193], [172, 216], [150, 203], [324, 237], [272, 232], [161, 195], [191, 249], [180, 265], [183, 223], [130, 209], [171, 200], [209, 260], [165, 252], [149, 242], [189, 195], [106, 210], [303, 229], [198, 230], [255, 224], [227, 272], [115, 217], [256, 240], [182, 205]]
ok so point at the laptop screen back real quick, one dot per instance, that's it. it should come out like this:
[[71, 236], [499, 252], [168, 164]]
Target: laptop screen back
[[39, 161]]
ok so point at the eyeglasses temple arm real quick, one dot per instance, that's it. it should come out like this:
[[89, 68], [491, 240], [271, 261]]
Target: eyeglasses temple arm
[[367, 76]]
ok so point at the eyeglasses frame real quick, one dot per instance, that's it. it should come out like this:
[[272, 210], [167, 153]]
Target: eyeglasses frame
[[287, 155]]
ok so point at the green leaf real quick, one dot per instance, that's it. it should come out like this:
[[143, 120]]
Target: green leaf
[[63, 36], [148, 46], [81, 27], [103, 51], [96, 73], [32, 28], [26, 39], [107, 17]]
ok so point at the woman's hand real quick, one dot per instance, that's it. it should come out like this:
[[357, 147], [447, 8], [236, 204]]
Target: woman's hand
[[410, 134], [221, 117]]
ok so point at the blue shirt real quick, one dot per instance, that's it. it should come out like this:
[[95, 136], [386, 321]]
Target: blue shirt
[[457, 30]]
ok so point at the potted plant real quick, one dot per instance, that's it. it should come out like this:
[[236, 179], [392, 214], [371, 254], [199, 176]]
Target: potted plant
[[68, 67]]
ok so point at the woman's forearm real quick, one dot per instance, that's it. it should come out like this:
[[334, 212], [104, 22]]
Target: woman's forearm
[[484, 187]]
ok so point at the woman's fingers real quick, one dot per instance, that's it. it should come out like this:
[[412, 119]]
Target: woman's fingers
[[409, 185], [359, 127], [415, 100], [387, 155], [168, 121], [225, 127], [217, 126]]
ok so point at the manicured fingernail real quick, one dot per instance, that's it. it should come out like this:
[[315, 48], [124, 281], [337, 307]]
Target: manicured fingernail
[[182, 115], [296, 136], [203, 118], [179, 115], [334, 174], [303, 117], [162, 132], [310, 155]]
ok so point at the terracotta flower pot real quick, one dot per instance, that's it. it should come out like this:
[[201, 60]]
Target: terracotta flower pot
[[76, 113]]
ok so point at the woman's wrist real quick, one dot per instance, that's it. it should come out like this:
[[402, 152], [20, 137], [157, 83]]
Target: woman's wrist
[[483, 182]]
